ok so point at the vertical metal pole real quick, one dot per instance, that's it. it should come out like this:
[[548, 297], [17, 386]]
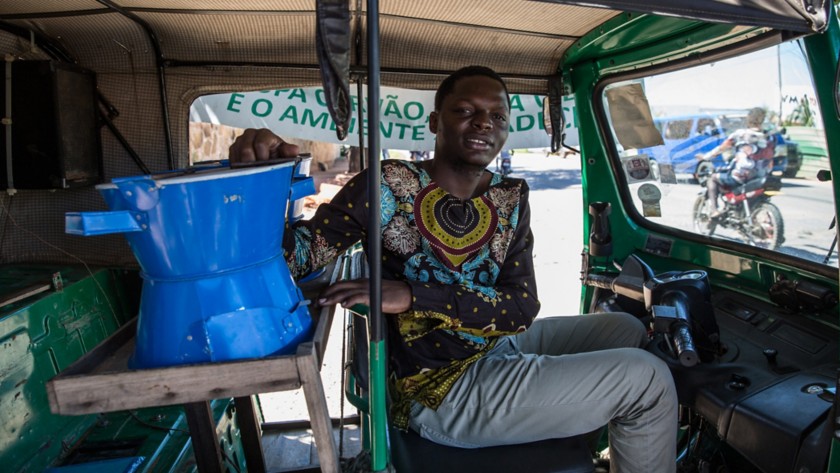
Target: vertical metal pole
[[377, 362], [374, 230]]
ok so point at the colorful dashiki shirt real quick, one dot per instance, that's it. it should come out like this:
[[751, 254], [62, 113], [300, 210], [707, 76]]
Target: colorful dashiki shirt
[[468, 262]]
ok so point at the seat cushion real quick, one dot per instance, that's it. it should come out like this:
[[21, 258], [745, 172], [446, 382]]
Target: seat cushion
[[412, 453]]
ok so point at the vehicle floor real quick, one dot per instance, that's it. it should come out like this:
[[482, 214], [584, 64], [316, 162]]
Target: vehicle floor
[[293, 450]]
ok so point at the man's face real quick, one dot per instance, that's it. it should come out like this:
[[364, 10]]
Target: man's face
[[471, 126]]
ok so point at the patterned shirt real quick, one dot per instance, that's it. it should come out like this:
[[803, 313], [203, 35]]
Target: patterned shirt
[[469, 264]]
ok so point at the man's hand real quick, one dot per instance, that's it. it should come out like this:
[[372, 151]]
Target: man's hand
[[396, 295], [260, 145]]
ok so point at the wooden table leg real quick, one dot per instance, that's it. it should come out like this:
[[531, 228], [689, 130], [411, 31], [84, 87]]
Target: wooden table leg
[[316, 402], [249, 428], [205, 443]]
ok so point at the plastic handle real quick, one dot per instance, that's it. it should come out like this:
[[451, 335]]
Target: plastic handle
[[102, 223], [684, 344]]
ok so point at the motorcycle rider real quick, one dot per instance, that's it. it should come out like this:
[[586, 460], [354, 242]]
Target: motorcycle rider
[[750, 145], [506, 162]]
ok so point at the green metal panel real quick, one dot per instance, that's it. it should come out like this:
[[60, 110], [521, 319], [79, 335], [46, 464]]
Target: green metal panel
[[822, 51], [630, 41], [161, 437], [43, 334], [592, 61], [40, 336]]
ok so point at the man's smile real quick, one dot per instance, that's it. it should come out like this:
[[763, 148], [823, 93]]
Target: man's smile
[[478, 143]]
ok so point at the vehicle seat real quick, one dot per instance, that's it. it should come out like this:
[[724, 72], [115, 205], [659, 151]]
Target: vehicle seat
[[750, 185], [412, 453]]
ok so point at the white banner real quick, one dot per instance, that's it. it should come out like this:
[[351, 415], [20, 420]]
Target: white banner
[[404, 116]]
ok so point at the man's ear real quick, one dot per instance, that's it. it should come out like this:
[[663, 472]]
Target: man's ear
[[433, 122]]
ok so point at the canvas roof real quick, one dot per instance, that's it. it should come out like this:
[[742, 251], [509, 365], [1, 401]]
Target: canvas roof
[[419, 39]]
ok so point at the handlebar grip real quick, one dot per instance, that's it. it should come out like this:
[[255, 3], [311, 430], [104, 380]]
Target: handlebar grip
[[683, 344], [603, 282]]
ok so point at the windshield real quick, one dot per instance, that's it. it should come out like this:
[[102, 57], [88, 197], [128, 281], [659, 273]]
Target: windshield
[[733, 150]]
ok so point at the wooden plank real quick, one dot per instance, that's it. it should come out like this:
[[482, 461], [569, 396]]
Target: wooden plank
[[106, 350], [101, 381], [316, 402], [249, 428], [205, 444], [322, 332], [116, 391], [28, 291]]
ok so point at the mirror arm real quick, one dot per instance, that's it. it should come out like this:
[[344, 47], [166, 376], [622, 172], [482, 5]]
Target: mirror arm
[[555, 110]]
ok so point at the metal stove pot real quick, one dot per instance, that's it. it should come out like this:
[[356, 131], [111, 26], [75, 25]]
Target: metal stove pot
[[208, 241]]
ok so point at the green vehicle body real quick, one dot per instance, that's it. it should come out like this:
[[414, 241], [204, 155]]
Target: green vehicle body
[[39, 339]]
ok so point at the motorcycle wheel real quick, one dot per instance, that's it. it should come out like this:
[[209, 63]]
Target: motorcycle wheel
[[703, 223], [703, 172], [767, 230]]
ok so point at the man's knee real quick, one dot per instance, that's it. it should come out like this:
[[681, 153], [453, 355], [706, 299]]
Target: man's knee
[[628, 326], [651, 370]]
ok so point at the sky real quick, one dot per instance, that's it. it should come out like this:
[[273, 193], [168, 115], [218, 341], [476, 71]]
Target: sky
[[738, 83]]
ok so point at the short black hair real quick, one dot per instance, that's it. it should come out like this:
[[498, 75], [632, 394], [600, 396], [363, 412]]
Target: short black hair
[[448, 84]]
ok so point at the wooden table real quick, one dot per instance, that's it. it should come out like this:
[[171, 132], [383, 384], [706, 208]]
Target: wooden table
[[101, 381]]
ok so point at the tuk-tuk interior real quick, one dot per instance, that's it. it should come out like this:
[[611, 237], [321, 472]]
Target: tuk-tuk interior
[[97, 90]]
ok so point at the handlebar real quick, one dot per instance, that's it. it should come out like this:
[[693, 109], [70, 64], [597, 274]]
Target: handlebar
[[670, 309], [672, 319], [601, 282]]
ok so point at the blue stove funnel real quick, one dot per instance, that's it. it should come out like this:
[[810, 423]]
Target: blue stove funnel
[[209, 244]]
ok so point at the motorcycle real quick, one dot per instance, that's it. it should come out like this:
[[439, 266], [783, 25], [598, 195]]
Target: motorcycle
[[746, 209], [749, 402]]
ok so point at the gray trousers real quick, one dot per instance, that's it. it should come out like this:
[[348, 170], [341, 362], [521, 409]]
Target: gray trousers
[[563, 377]]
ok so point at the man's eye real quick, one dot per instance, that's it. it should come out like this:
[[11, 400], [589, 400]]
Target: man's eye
[[499, 117]]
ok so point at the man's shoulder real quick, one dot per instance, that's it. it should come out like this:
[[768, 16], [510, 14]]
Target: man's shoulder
[[510, 183], [398, 163]]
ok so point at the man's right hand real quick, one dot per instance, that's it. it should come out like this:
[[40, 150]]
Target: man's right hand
[[260, 145], [396, 295]]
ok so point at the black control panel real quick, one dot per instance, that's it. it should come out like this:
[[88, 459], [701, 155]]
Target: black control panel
[[772, 383]]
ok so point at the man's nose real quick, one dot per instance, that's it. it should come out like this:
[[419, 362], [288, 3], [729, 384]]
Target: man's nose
[[482, 121]]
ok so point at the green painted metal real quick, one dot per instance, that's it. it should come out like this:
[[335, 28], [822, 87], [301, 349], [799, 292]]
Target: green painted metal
[[43, 334], [373, 405], [175, 454], [39, 337], [362, 403], [378, 406], [662, 39], [594, 63], [822, 51], [160, 436]]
